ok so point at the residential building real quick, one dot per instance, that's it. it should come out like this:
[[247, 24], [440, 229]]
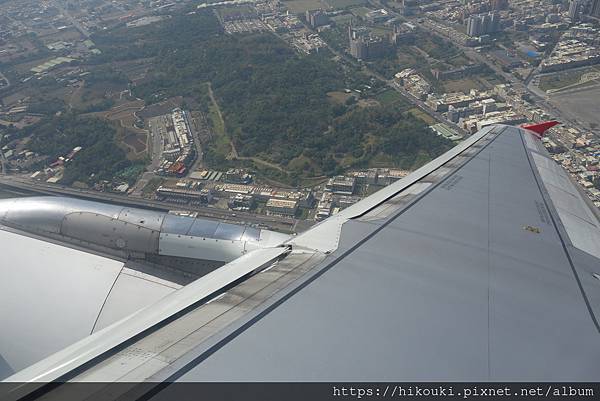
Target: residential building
[[237, 176], [241, 202], [574, 8], [498, 4], [363, 45], [281, 207], [317, 18], [341, 185], [595, 8], [483, 24]]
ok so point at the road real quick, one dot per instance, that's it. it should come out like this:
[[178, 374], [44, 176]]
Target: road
[[273, 223], [155, 146], [196, 124], [3, 161], [158, 128], [537, 96], [71, 19], [421, 105], [6, 193], [3, 77]]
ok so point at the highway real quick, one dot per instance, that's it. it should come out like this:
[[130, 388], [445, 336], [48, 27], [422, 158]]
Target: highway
[[280, 224]]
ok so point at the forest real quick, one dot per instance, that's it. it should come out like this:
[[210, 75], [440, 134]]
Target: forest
[[100, 158], [275, 101]]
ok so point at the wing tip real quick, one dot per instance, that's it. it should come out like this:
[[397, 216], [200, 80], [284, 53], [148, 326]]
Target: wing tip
[[540, 128]]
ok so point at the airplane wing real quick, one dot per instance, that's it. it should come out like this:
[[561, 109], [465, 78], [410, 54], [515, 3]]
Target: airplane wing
[[483, 265]]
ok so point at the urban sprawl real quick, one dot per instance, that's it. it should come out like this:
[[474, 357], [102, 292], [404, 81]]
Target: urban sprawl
[[515, 61]]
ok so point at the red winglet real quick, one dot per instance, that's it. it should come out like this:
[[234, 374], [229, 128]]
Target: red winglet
[[540, 128]]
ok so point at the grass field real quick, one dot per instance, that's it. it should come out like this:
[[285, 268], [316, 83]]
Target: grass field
[[234, 11], [458, 60], [390, 96], [563, 79], [360, 12], [421, 115], [338, 97], [381, 160], [136, 141], [151, 187], [406, 58], [336, 4], [25, 68], [437, 50], [493, 79], [301, 6], [464, 85], [343, 19], [381, 31], [221, 143]]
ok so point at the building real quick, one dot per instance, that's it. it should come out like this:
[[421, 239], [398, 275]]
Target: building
[[389, 176], [241, 202], [447, 132], [261, 193], [574, 8], [377, 16], [497, 5], [184, 195], [122, 188], [595, 9], [458, 99], [363, 45], [571, 52], [358, 49], [476, 123], [341, 185], [345, 201], [414, 83], [237, 176], [483, 24], [324, 206], [409, 7], [403, 33], [368, 177], [317, 18], [178, 144], [281, 207], [474, 26]]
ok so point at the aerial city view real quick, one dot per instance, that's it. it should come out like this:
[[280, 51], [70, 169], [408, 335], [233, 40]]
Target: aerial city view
[[287, 111], [299, 135]]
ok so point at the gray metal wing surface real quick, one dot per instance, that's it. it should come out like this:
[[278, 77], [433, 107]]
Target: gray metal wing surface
[[482, 265], [487, 269]]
